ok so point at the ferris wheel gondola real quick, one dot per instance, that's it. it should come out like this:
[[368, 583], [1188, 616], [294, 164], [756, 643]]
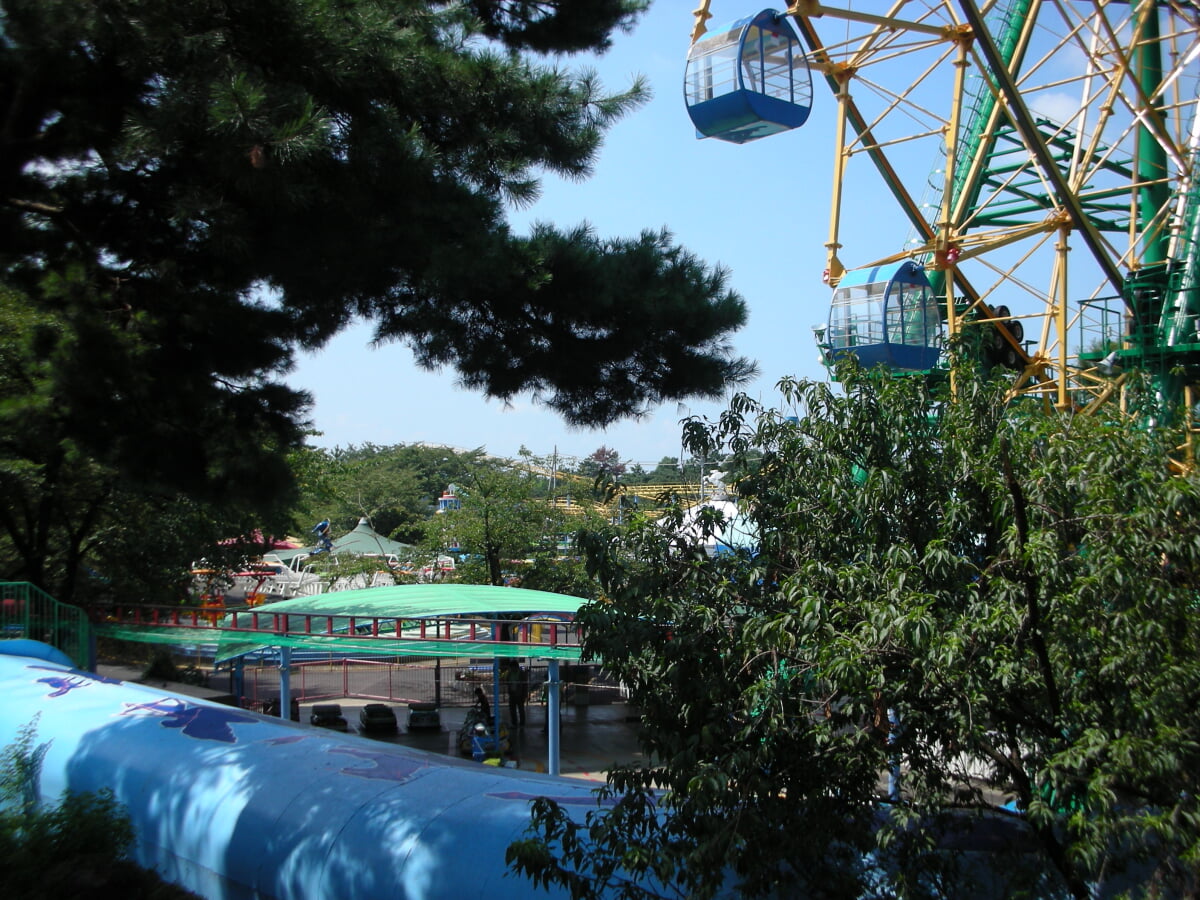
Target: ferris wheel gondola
[[885, 315], [1055, 209], [748, 79]]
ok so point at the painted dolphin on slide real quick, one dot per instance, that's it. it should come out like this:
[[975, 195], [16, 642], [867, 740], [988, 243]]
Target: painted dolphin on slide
[[232, 804]]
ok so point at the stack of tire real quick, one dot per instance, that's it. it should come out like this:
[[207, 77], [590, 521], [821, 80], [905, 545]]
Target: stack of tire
[[997, 347]]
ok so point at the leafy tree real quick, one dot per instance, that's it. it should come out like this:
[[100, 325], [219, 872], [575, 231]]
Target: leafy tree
[[376, 486], [77, 848], [148, 543], [603, 463], [500, 520], [317, 473], [198, 189], [70, 523], [997, 605], [436, 468], [668, 471], [396, 487], [556, 573], [45, 481]]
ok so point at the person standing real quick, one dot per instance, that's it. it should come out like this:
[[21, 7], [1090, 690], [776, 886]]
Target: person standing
[[518, 692]]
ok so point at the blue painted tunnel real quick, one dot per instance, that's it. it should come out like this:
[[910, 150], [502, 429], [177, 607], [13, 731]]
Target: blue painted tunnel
[[232, 804]]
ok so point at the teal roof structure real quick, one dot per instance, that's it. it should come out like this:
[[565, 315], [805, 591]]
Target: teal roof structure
[[366, 541], [323, 621], [416, 601]]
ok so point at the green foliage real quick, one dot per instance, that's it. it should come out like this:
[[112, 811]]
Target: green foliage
[[1016, 588], [668, 471], [604, 462], [20, 771], [557, 25], [549, 571], [345, 571], [70, 523], [78, 848], [501, 520], [506, 528], [395, 487], [196, 190]]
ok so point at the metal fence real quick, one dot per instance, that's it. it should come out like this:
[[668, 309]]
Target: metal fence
[[447, 683], [27, 611]]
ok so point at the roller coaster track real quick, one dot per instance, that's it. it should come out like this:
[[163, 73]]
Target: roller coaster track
[[585, 495]]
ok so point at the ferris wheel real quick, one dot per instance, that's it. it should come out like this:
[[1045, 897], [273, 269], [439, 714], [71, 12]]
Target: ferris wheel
[[1043, 157]]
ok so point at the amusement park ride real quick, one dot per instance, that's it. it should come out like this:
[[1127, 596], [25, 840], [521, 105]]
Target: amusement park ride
[[1057, 238], [1057, 235]]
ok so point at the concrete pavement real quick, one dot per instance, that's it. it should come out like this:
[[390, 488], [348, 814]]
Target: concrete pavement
[[592, 738]]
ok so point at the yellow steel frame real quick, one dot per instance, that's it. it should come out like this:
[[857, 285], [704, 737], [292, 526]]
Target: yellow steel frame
[[1064, 239], [1045, 260]]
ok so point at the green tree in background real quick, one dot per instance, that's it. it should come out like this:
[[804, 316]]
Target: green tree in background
[[997, 604], [196, 190], [395, 487], [500, 520], [604, 462], [668, 471], [508, 525], [68, 521]]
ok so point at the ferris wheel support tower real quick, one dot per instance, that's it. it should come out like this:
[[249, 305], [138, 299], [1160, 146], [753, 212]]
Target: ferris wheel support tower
[[1060, 230]]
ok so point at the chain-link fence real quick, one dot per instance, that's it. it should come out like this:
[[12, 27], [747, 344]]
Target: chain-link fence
[[447, 683]]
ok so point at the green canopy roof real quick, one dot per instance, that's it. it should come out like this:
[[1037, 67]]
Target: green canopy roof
[[418, 601], [405, 602]]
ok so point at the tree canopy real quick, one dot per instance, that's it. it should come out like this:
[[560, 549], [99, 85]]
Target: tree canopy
[[997, 605], [196, 190], [395, 487], [69, 522]]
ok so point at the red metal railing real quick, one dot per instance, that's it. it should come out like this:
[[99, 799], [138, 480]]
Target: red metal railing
[[384, 629]]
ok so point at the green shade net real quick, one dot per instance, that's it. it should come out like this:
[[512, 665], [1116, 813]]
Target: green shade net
[[409, 603]]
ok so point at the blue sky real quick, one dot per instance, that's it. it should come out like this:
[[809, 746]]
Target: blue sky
[[761, 210]]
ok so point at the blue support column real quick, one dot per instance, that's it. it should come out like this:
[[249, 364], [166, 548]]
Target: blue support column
[[237, 674], [285, 682], [552, 699], [894, 760], [496, 703]]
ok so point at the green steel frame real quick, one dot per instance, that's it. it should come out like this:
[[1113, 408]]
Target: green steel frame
[[26, 611]]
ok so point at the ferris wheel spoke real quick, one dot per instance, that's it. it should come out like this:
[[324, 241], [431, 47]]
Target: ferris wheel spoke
[[1059, 184], [1030, 133]]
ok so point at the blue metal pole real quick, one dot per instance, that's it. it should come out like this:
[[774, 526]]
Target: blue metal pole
[[552, 686], [893, 717], [238, 673], [496, 704], [285, 682]]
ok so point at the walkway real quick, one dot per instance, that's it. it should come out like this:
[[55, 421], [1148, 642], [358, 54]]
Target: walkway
[[592, 738]]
